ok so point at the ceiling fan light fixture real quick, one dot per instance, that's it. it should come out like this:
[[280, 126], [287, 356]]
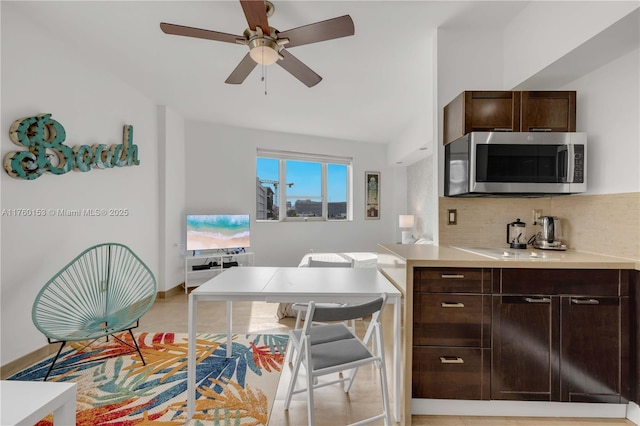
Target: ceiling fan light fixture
[[264, 51], [266, 44]]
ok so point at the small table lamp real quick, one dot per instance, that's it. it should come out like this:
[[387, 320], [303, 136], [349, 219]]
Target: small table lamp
[[406, 221]]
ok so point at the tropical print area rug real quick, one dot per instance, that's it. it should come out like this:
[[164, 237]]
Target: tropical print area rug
[[122, 391]]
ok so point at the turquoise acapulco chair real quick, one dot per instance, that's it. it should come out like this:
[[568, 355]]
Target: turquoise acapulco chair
[[104, 290]]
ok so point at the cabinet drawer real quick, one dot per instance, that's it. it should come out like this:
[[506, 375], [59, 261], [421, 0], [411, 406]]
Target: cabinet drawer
[[445, 319], [451, 373], [452, 280], [593, 282]]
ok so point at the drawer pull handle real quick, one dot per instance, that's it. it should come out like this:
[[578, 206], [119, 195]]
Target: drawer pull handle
[[451, 305], [503, 129], [539, 129], [585, 301], [451, 360], [537, 299], [450, 276]]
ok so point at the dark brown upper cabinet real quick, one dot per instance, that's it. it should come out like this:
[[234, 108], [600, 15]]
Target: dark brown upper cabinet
[[509, 111], [481, 111], [548, 112]]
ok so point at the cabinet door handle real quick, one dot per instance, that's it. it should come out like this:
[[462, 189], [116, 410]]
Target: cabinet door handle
[[452, 276], [539, 129], [585, 301], [451, 360], [452, 305], [537, 299], [503, 129]]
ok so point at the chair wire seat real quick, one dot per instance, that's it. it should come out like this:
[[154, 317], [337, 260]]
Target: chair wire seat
[[104, 290]]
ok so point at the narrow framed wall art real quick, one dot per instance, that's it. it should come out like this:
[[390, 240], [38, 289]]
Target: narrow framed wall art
[[372, 197]]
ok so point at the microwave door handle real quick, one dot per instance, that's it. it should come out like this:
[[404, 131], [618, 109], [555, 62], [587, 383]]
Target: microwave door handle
[[565, 164], [570, 163]]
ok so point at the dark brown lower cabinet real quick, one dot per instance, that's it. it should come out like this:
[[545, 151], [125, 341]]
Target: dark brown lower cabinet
[[565, 345], [567, 335], [591, 365], [451, 333], [525, 339]]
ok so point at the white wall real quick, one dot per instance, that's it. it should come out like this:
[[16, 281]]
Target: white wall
[[607, 110], [547, 30], [420, 190], [415, 142], [407, 153], [398, 198], [172, 179], [221, 173], [40, 75]]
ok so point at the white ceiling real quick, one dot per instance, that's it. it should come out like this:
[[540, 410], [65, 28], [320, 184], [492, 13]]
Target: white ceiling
[[374, 83]]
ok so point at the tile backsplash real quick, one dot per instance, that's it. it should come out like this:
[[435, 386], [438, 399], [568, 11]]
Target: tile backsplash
[[606, 224]]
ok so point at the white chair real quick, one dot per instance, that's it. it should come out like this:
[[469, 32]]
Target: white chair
[[332, 348], [313, 263], [301, 308]]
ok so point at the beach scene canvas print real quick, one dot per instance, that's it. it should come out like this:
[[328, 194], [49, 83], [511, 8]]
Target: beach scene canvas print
[[210, 232]]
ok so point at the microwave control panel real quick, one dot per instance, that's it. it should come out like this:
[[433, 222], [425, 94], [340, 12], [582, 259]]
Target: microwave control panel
[[578, 164]]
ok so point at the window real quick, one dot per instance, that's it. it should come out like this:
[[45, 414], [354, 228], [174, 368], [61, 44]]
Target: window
[[295, 186]]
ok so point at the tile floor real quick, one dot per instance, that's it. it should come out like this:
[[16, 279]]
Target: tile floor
[[333, 407]]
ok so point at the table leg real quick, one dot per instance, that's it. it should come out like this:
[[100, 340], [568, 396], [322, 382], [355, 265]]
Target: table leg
[[191, 357], [397, 375], [229, 327], [65, 414]]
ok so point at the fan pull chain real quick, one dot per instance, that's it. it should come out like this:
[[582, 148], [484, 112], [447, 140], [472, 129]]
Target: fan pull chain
[[264, 78]]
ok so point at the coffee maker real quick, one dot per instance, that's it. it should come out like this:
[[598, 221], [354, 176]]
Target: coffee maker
[[548, 238], [516, 235]]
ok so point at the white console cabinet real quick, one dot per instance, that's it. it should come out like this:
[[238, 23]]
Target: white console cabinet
[[215, 263]]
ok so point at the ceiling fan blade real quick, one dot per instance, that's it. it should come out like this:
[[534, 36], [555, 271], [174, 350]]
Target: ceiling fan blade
[[242, 71], [256, 13], [320, 31], [298, 69], [197, 33]]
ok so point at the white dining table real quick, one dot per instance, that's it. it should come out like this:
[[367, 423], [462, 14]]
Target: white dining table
[[291, 284], [26, 403]]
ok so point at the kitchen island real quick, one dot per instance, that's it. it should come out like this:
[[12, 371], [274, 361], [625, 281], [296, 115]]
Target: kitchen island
[[493, 331]]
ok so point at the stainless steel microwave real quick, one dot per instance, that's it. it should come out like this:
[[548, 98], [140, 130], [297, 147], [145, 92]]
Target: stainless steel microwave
[[516, 164]]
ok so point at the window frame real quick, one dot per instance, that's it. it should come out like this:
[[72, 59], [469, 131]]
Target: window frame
[[324, 161]]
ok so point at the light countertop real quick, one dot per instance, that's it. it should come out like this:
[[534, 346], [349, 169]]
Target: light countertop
[[499, 257]]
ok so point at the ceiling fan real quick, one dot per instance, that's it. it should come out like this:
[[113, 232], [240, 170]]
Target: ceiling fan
[[267, 44]]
